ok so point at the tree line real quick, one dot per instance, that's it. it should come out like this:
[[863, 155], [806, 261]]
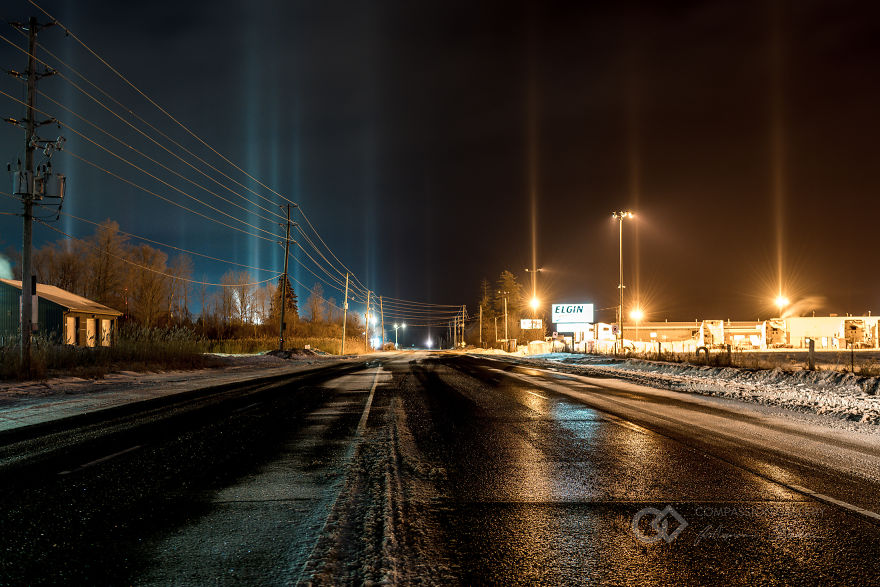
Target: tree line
[[492, 302], [151, 289]]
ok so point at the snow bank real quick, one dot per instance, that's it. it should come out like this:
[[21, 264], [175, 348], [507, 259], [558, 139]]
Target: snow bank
[[844, 395]]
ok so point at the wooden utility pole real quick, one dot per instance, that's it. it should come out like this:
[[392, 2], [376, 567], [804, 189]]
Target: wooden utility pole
[[27, 285], [463, 316], [481, 325], [284, 280], [367, 324], [505, 317], [382, 318], [344, 313]]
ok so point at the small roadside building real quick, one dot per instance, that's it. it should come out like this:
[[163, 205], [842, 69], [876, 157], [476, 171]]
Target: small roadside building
[[59, 314]]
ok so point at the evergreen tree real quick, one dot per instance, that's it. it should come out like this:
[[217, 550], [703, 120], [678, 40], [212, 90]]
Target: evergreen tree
[[291, 309], [507, 286], [488, 333]]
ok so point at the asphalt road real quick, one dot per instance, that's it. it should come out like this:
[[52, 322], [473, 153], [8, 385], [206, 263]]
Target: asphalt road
[[436, 469]]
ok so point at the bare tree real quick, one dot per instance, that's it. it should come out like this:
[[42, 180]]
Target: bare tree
[[244, 296], [181, 269], [147, 284], [263, 303], [63, 264], [227, 307], [315, 304], [106, 268]]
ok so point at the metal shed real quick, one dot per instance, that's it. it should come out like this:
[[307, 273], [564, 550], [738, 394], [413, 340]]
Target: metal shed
[[59, 314]]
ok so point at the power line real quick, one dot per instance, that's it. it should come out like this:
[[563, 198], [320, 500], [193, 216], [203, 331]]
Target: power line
[[159, 163], [140, 187], [130, 262], [124, 160], [205, 144], [154, 103], [136, 129]]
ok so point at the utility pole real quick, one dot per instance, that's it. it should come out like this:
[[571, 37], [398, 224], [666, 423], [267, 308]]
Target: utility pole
[[367, 324], [344, 313], [619, 216], [496, 329], [284, 280], [382, 318], [455, 332], [27, 232], [30, 187], [463, 316], [481, 325], [505, 317]]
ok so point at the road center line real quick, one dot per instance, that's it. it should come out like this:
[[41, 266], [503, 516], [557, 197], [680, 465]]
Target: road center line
[[362, 425], [359, 432], [828, 499], [101, 460], [537, 394]]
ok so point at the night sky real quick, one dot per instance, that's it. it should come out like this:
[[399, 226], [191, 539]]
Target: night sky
[[414, 134]]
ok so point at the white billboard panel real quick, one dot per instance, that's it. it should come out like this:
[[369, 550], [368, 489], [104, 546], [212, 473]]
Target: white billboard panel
[[528, 324], [574, 327], [572, 313]]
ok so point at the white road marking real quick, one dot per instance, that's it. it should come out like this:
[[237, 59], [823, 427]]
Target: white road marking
[[537, 394], [362, 425], [358, 435], [248, 407], [837, 502], [101, 460]]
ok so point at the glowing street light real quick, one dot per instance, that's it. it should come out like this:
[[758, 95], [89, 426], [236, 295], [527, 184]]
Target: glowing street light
[[636, 315], [535, 303], [396, 326], [781, 301], [619, 216]]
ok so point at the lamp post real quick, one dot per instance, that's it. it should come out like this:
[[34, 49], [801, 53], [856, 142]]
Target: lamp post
[[505, 293], [534, 302], [637, 316], [619, 216], [396, 326]]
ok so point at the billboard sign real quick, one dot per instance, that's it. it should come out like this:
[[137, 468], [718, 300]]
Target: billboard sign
[[572, 313], [574, 327], [526, 324]]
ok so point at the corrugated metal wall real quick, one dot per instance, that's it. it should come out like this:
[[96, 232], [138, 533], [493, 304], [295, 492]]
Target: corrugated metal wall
[[49, 315], [9, 309]]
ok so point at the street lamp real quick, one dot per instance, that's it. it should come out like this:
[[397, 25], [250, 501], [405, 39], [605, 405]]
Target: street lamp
[[619, 216], [637, 316], [396, 326], [535, 303], [781, 302]]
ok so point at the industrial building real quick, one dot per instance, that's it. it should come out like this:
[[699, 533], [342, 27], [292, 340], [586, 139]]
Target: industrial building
[[826, 332], [58, 314]]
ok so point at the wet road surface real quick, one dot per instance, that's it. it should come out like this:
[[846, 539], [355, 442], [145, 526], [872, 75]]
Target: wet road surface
[[438, 468]]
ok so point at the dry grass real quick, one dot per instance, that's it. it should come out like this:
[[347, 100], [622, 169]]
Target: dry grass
[[136, 349], [148, 349], [262, 344]]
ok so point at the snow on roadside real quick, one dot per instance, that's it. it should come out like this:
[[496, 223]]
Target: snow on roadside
[[842, 395], [126, 380]]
